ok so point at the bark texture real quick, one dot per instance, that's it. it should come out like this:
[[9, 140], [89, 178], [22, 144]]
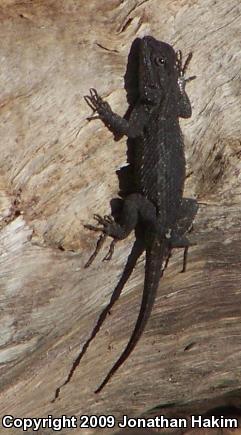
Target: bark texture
[[57, 169]]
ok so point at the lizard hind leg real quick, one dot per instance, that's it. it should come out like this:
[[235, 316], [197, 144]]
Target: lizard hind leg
[[180, 242], [135, 208], [109, 254], [187, 213], [104, 221], [99, 245], [109, 227]]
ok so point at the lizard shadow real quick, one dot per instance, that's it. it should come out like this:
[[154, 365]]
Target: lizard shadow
[[126, 186], [125, 174]]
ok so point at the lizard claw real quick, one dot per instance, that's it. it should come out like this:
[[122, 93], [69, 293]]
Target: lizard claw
[[109, 219], [93, 228], [92, 99], [105, 221], [182, 80], [111, 251], [89, 102], [102, 221], [96, 103], [99, 245], [167, 260]]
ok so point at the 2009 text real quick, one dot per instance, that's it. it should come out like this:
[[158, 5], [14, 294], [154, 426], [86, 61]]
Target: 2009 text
[[101, 421]]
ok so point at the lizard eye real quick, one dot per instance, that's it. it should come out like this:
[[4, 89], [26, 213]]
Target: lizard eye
[[160, 61]]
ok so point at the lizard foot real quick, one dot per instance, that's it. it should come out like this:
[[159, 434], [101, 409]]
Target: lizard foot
[[106, 223], [111, 251], [99, 245], [184, 264], [182, 80], [96, 103], [167, 260]]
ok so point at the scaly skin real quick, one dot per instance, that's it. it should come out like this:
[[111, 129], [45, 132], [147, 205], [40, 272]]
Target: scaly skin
[[158, 163]]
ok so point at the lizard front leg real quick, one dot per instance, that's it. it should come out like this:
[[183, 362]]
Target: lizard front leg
[[132, 128], [183, 103], [111, 119]]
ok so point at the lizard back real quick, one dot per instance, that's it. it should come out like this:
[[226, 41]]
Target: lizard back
[[159, 160]]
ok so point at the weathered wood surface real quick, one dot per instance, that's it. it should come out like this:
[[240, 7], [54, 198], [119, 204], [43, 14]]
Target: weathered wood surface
[[57, 169]]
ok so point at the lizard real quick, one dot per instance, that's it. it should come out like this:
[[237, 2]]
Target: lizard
[[158, 207]]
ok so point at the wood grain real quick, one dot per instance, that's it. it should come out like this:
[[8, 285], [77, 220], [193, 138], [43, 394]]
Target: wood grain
[[57, 169]]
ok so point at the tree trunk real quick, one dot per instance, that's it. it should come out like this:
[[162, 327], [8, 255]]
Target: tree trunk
[[58, 169]]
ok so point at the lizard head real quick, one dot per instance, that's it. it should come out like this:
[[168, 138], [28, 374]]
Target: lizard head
[[157, 69]]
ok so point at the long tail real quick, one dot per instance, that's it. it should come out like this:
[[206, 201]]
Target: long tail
[[136, 252], [153, 272]]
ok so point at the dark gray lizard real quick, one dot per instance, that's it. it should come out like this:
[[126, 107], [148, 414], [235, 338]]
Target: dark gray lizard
[[158, 164]]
